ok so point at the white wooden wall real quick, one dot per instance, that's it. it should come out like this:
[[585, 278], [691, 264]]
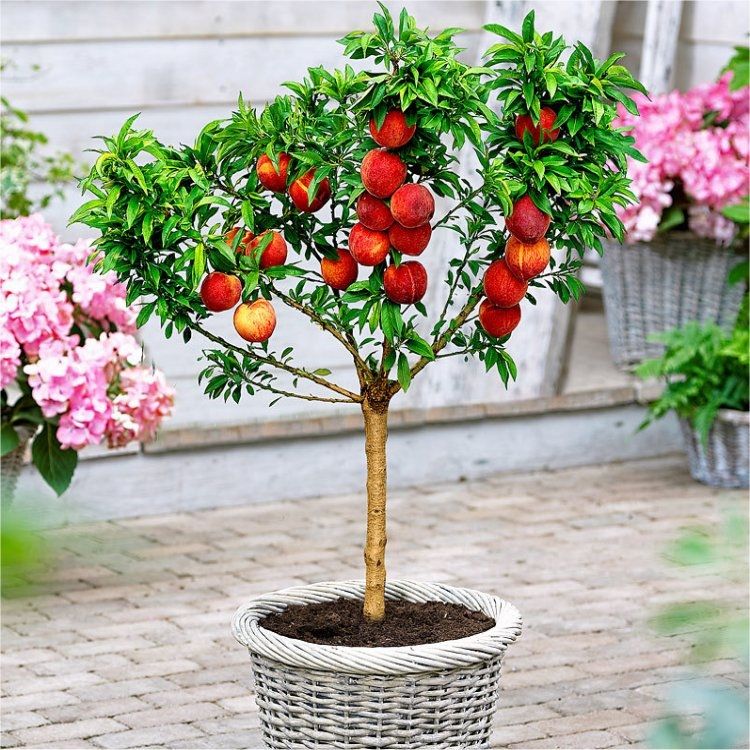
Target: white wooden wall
[[182, 64]]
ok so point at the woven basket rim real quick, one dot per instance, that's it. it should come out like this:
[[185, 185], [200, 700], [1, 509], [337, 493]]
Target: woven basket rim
[[675, 238], [733, 416], [387, 660]]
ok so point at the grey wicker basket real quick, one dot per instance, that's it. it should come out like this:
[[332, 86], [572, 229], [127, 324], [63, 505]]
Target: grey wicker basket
[[12, 463], [723, 461], [439, 695], [650, 287]]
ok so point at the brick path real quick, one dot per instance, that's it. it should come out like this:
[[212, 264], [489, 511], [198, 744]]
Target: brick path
[[126, 643]]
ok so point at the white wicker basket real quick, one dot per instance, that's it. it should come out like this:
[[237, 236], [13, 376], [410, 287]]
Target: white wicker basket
[[433, 695], [723, 461], [651, 287]]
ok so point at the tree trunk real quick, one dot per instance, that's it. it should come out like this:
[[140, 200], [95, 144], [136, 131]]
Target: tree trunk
[[376, 434]]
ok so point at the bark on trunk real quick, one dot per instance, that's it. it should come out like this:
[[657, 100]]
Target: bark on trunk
[[376, 434]]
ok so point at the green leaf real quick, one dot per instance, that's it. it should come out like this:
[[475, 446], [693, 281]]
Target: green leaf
[[55, 464], [8, 438], [403, 372], [527, 29], [199, 264]]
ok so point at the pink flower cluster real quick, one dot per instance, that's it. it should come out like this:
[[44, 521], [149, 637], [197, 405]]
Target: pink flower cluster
[[708, 162], [68, 327]]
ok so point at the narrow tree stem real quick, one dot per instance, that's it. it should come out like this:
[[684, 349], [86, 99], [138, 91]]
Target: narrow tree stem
[[376, 435]]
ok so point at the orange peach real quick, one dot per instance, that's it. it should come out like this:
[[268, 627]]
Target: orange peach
[[405, 284], [410, 241], [499, 321], [255, 321], [526, 221], [274, 254], [545, 128], [242, 244], [502, 287], [270, 177], [382, 172], [298, 192], [220, 291], [373, 212], [526, 261], [341, 272], [412, 205], [394, 132], [367, 246]]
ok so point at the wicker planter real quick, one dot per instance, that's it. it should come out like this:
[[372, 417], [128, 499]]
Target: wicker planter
[[434, 695], [12, 463], [650, 287], [723, 461]]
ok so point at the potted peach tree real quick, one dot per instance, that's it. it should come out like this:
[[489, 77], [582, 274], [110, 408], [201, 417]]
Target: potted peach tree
[[323, 202]]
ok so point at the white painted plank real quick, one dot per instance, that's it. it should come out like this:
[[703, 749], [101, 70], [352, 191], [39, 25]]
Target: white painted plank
[[660, 44], [68, 20]]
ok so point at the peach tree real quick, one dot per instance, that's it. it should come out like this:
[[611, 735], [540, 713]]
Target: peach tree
[[322, 200]]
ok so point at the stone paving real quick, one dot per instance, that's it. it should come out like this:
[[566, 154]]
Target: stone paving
[[126, 643]]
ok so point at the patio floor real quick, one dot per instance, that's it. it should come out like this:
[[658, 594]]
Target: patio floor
[[126, 643]]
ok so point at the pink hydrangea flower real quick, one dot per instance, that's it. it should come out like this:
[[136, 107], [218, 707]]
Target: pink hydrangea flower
[[93, 383], [710, 162]]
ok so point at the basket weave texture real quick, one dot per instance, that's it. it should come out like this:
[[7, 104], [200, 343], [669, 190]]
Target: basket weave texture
[[12, 463], [723, 461], [433, 695], [650, 287]]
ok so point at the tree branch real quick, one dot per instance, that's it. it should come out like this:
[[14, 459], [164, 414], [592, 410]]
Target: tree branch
[[273, 362]]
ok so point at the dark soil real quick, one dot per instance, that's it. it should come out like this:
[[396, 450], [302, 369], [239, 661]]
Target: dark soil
[[340, 623]]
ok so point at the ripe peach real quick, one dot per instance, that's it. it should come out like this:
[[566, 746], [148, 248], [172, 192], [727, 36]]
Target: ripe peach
[[270, 177], [242, 245], [502, 287], [394, 132], [412, 205], [368, 246], [220, 291], [547, 117], [339, 274], [526, 261], [410, 241], [382, 172], [526, 221], [299, 194], [255, 321], [498, 321], [373, 213], [405, 284], [274, 253]]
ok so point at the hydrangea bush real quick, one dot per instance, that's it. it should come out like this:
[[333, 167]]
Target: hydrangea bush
[[697, 146], [69, 362]]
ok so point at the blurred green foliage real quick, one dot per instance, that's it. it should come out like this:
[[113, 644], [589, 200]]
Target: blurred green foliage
[[24, 164], [705, 712]]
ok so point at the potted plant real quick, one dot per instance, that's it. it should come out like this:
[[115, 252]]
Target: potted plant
[[679, 249], [321, 202], [707, 373], [70, 367]]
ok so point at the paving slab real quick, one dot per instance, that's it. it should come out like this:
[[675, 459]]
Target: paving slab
[[126, 643]]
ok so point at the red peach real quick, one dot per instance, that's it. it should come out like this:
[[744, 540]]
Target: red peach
[[382, 172], [526, 261], [242, 244], [394, 132], [502, 287], [412, 205], [270, 177], [373, 213], [499, 321], [255, 321], [274, 253], [299, 194], [526, 221], [220, 291], [340, 273], [367, 246], [410, 241], [405, 284], [547, 117]]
